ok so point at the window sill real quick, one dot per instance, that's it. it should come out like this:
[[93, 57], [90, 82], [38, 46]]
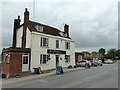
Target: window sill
[[67, 62], [44, 47], [44, 64]]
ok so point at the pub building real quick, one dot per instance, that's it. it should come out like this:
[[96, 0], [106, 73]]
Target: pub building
[[37, 45]]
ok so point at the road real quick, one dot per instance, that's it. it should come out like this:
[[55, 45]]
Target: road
[[105, 76]]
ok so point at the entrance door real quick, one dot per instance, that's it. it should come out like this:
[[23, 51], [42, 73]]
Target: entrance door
[[57, 60], [25, 62]]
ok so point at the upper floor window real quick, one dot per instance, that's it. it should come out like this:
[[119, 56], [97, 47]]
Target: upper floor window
[[57, 43], [67, 45], [44, 42], [39, 28]]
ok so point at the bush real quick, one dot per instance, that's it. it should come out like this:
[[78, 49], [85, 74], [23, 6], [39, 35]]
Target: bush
[[115, 61], [3, 76], [70, 66], [75, 66]]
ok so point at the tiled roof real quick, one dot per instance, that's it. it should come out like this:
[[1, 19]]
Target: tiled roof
[[12, 49], [46, 29]]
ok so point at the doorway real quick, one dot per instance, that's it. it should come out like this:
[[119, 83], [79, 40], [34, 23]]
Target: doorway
[[25, 62], [57, 60]]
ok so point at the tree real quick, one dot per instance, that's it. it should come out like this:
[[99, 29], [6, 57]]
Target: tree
[[94, 54], [102, 51], [118, 54], [112, 53]]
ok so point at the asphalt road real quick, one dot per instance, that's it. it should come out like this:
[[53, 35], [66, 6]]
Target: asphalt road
[[105, 76]]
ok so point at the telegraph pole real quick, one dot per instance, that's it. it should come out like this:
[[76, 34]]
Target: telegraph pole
[[33, 10]]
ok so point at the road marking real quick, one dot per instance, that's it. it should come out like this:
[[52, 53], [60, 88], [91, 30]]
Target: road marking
[[44, 81]]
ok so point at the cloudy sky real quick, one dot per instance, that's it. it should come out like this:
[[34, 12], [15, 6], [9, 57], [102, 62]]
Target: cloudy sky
[[93, 23]]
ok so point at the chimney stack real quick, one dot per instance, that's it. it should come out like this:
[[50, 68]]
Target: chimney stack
[[66, 29], [26, 21], [26, 16], [16, 26]]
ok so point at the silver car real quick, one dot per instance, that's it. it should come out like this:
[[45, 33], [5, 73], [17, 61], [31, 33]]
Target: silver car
[[83, 63], [108, 61], [100, 62]]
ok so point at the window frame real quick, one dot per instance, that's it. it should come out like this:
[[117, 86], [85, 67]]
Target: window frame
[[44, 42], [39, 28], [67, 45], [57, 44], [67, 60], [44, 59]]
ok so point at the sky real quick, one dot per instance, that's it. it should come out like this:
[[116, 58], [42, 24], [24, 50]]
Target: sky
[[93, 23]]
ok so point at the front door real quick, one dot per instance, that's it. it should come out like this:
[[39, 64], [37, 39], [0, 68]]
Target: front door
[[25, 62], [57, 60]]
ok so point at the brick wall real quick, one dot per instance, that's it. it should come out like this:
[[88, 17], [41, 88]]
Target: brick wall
[[14, 66], [76, 56], [16, 63]]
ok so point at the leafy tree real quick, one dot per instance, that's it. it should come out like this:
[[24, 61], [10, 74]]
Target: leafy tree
[[102, 51], [118, 54], [94, 54], [112, 54], [107, 56]]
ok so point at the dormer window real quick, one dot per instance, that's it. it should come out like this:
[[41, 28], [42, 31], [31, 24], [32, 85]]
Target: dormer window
[[63, 34], [39, 28]]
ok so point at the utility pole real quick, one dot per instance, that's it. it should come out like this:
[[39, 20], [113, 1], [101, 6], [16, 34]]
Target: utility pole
[[33, 10]]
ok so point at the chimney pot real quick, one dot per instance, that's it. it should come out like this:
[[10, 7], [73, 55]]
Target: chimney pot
[[26, 16], [18, 17], [26, 9]]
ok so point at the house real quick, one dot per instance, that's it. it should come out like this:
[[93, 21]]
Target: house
[[82, 56], [37, 45], [97, 55]]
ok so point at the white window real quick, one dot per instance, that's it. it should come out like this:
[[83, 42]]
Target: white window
[[44, 59], [67, 45], [67, 58], [57, 43], [44, 42], [39, 28], [25, 59]]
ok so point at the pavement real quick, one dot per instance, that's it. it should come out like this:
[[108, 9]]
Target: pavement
[[34, 76]]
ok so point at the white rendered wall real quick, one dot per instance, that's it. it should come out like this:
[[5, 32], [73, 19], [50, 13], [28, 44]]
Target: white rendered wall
[[36, 50]]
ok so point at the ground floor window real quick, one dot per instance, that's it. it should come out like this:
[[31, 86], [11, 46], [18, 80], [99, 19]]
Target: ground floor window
[[44, 59], [67, 58]]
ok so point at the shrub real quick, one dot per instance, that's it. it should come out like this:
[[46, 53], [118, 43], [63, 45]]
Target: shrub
[[114, 61], [3, 76], [75, 66], [70, 66]]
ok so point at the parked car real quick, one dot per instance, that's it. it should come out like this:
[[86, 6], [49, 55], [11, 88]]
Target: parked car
[[108, 61], [100, 62], [94, 62], [83, 63]]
